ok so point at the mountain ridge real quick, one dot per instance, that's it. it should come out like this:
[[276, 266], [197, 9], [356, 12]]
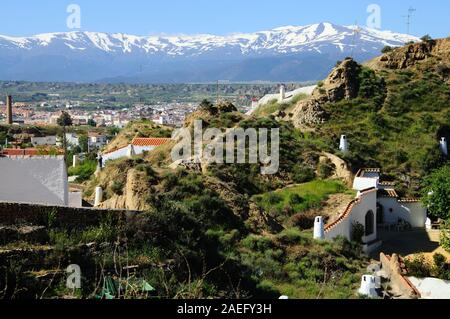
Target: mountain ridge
[[95, 56]]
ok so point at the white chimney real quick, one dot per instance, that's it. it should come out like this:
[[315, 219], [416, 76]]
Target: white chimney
[[444, 146], [343, 145], [319, 229], [76, 160], [368, 286], [98, 196], [130, 151], [282, 93]]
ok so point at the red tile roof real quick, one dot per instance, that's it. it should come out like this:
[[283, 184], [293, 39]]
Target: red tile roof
[[140, 141], [25, 152]]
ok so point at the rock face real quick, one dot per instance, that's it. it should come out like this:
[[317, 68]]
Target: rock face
[[135, 194], [307, 113], [342, 83], [412, 54]]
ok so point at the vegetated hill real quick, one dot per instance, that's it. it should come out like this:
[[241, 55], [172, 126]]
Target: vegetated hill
[[236, 232], [225, 230], [394, 111]]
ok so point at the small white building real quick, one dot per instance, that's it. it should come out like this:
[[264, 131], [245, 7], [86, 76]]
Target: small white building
[[97, 140], [36, 180], [377, 204], [43, 141], [72, 139], [161, 120], [139, 145]]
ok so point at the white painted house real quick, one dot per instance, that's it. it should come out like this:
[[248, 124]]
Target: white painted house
[[138, 146], [377, 204], [36, 180], [282, 96], [44, 141]]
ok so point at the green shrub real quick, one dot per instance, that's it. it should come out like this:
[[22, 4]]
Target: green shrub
[[290, 236], [117, 188], [357, 232], [418, 267], [295, 199], [256, 242], [83, 171], [326, 169], [302, 174]]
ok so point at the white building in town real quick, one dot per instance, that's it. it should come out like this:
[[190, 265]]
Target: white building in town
[[43, 141], [97, 140], [377, 204], [36, 180], [138, 146]]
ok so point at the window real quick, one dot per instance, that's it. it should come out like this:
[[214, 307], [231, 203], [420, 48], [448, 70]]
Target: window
[[370, 227]]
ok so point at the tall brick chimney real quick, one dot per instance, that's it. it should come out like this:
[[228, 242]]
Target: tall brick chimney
[[9, 112]]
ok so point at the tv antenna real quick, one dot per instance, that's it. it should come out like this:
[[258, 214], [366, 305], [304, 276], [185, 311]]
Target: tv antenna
[[356, 31], [408, 17]]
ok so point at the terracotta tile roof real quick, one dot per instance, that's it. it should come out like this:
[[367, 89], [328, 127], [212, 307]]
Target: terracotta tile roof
[[140, 141], [409, 200], [25, 152], [387, 193]]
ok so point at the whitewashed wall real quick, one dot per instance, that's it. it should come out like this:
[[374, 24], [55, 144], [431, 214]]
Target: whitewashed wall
[[35, 180], [362, 183], [123, 153], [75, 199], [367, 202], [413, 213]]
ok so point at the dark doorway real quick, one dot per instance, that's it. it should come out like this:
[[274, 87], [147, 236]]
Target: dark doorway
[[380, 214], [370, 220]]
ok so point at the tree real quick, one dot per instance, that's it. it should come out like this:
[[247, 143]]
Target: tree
[[426, 38], [65, 120], [386, 49], [83, 140], [443, 71], [92, 123], [436, 193]]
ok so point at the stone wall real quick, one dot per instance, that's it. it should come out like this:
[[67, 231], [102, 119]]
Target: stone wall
[[57, 216], [395, 270]]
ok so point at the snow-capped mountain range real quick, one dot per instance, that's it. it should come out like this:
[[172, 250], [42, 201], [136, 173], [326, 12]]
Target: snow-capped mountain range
[[291, 53]]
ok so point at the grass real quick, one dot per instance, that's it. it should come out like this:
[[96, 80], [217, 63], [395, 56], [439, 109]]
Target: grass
[[83, 171], [299, 198]]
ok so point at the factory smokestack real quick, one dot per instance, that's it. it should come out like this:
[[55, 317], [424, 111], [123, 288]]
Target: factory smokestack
[[9, 113]]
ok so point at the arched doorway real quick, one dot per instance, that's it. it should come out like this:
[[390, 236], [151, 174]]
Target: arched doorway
[[370, 223]]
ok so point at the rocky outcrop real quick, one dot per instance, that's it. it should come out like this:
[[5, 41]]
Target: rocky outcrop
[[307, 114], [342, 170], [412, 54], [342, 83], [135, 195]]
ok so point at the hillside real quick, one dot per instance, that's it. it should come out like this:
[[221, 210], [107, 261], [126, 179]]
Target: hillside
[[394, 110], [225, 230]]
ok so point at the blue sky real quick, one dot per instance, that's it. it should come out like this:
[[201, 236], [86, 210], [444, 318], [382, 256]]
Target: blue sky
[[144, 17]]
